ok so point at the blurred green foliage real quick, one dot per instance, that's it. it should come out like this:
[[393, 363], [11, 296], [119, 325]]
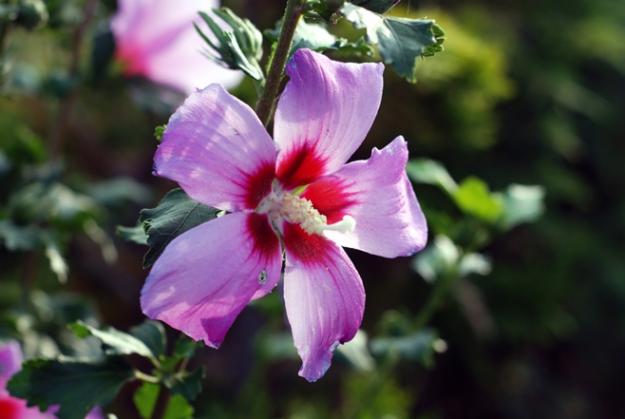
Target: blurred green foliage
[[519, 117]]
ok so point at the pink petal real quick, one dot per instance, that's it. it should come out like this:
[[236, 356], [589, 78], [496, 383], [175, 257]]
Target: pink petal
[[378, 195], [323, 115], [156, 39], [12, 408], [324, 298], [206, 276], [218, 151], [10, 361]]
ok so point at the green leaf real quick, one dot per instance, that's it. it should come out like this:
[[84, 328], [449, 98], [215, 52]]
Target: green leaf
[[152, 334], [356, 352], [400, 41], [134, 234], [175, 214], [235, 42], [145, 399], [473, 197], [120, 343], [443, 259], [178, 408], [419, 346], [378, 6], [438, 260], [522, 204], [189, 385], [74, 385], [322, 9], [119, 191], [20, 238], [313, 36], [58, 265], [431, 172]]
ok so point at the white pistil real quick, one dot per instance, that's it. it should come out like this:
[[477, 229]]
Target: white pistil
[[297, 210]]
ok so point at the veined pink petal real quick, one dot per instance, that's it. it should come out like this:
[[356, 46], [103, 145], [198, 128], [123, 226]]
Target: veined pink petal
[[156, 39], [324, 114], [216, 148], [324, 298], [378, 195], [10, 361], [206, 276]]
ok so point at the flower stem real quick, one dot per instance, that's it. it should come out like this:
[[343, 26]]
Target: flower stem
[[437, 296], [292, 15]]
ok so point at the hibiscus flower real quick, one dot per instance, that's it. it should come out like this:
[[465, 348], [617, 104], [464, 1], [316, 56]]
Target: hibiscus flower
[[295, 196], [13, 408], [156, 39]]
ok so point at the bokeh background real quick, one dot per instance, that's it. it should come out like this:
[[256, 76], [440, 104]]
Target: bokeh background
[[526, 92]]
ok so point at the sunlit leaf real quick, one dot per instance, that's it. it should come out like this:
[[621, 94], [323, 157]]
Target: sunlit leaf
[[473, 197], [522, 204], [119, 343], [400, 41], [356, 352], [431, 172], [378, 6], [438, 260], [234, 42], [145, 399]]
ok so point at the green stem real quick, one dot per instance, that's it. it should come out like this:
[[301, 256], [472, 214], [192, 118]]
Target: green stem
[[140, 375], [292, 15], [441, 288]]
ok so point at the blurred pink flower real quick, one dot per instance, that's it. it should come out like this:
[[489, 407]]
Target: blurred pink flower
[[156, 39], [296, 194], [14, 408]]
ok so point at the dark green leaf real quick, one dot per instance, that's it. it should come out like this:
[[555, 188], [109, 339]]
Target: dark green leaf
[[102, 53], [175, 214], [120, 343], [152, 333], [74, 385], [400, 41], [189, 386], [236, 42], [184, 348]]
